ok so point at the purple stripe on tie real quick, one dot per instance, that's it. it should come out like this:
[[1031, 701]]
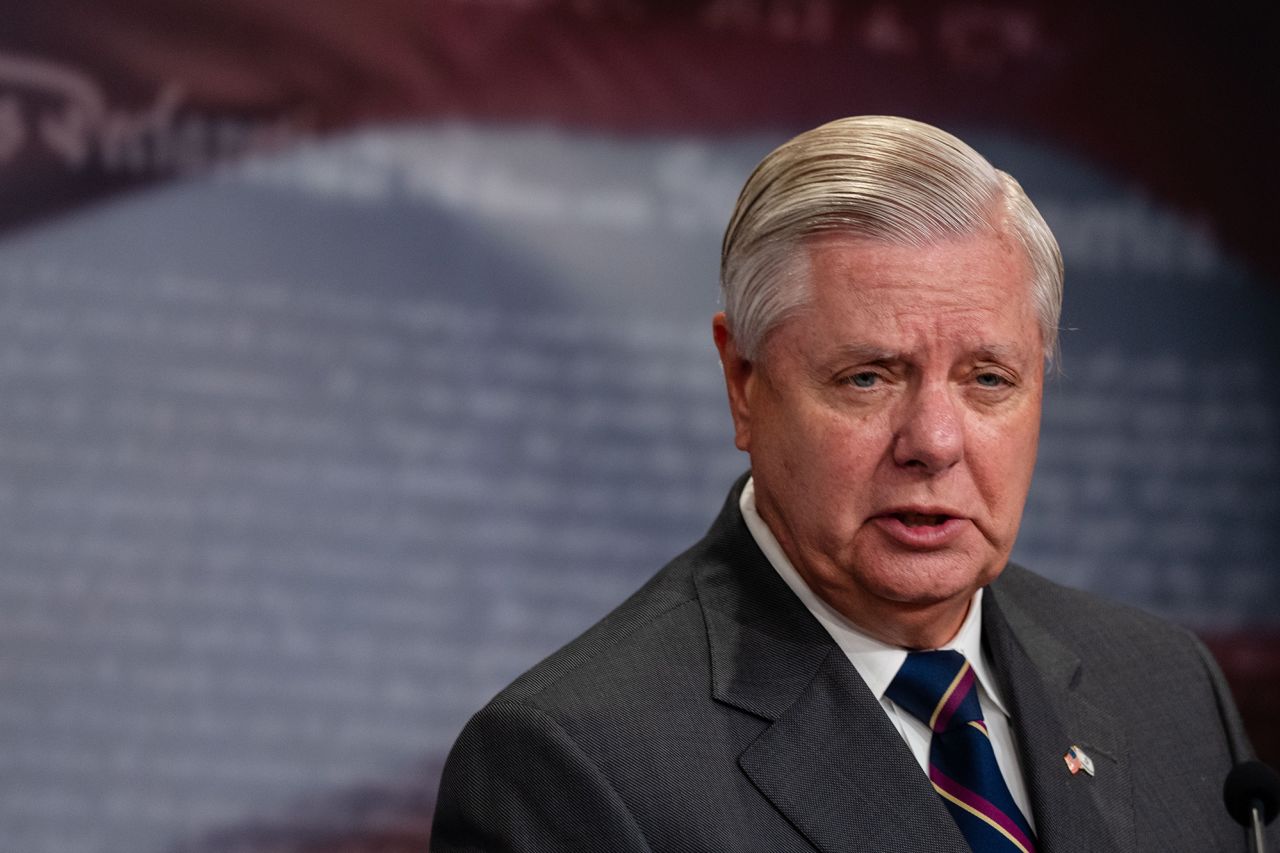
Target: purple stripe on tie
[[980, 804], [954, 700]]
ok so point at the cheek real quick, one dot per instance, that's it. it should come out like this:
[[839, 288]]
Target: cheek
[[822, 456], [834, 442], [1002, 463], [842, 462], [1023, 444]]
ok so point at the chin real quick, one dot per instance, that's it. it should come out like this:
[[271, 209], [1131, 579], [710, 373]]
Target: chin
[[922, 580]]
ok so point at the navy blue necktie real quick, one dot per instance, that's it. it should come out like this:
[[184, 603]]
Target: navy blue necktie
[[939, 689]]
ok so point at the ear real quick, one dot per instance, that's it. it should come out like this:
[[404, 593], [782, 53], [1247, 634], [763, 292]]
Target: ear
[[739, 380]]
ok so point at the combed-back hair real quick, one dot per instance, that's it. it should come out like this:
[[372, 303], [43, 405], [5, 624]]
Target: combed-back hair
[[883, 178]]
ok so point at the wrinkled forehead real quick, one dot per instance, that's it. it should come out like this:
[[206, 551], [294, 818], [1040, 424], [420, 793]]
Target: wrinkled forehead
[[975, 287], [968, 268]]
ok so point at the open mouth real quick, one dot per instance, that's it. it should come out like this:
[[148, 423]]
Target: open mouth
[[922, 530], [916, 519]]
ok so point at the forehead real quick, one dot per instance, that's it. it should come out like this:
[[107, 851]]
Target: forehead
[[979, 285], [977, 257]]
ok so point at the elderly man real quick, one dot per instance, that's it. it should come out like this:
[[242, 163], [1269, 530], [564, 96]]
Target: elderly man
[[847, 661]]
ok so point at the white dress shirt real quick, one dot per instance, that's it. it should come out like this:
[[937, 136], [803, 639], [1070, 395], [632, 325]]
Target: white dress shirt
[[878, 662]]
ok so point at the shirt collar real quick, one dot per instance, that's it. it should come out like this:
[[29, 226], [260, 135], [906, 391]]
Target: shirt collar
[[875, 661]]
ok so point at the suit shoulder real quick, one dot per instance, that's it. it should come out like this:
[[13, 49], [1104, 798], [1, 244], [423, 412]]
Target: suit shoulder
[[516, 781], [626, 640], [1084, 620]]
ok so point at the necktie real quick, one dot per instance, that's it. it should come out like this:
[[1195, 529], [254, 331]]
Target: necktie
[[940, 690]]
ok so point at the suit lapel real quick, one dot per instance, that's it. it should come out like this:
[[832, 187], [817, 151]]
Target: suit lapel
[[1038, 675], [839, 771], [829, 761]]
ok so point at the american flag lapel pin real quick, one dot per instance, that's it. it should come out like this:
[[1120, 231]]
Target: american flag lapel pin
[[1077, 760]]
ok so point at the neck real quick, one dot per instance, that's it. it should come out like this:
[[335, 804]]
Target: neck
[[908, 625]]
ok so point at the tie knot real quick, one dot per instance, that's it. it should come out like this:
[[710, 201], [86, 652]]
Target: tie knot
[[937, 688]]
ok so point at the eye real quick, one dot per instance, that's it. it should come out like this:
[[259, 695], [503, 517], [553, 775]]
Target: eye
[[991, 380], [865, 379]]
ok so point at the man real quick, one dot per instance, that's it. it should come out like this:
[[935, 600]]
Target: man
[[847, 662]]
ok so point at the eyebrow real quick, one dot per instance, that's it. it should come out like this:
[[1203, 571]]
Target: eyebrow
[[997, 352], [872, 354], [867, 353]]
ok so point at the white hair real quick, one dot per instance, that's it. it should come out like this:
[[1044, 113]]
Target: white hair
[[880, 177]]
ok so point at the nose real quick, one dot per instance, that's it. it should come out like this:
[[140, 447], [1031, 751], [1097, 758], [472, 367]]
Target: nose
[[929, 433]]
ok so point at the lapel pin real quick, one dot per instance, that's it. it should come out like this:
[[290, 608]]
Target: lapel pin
[[1077, 761]]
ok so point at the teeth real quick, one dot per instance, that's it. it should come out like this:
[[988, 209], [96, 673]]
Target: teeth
[[913, 519]]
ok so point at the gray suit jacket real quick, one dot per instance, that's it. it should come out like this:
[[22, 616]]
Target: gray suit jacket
[[711, 712]]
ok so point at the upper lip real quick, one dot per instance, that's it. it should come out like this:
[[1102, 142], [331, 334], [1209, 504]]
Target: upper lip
[[922, 510]]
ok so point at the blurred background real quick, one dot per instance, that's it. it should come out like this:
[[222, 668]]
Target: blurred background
[[354, 356]]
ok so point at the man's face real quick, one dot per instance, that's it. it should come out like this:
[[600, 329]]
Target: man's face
[[892, 425]]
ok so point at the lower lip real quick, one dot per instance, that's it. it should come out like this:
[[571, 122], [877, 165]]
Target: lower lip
[[923, 537]]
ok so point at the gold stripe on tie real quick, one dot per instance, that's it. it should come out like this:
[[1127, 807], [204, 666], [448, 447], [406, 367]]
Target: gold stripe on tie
[[942, 703]]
